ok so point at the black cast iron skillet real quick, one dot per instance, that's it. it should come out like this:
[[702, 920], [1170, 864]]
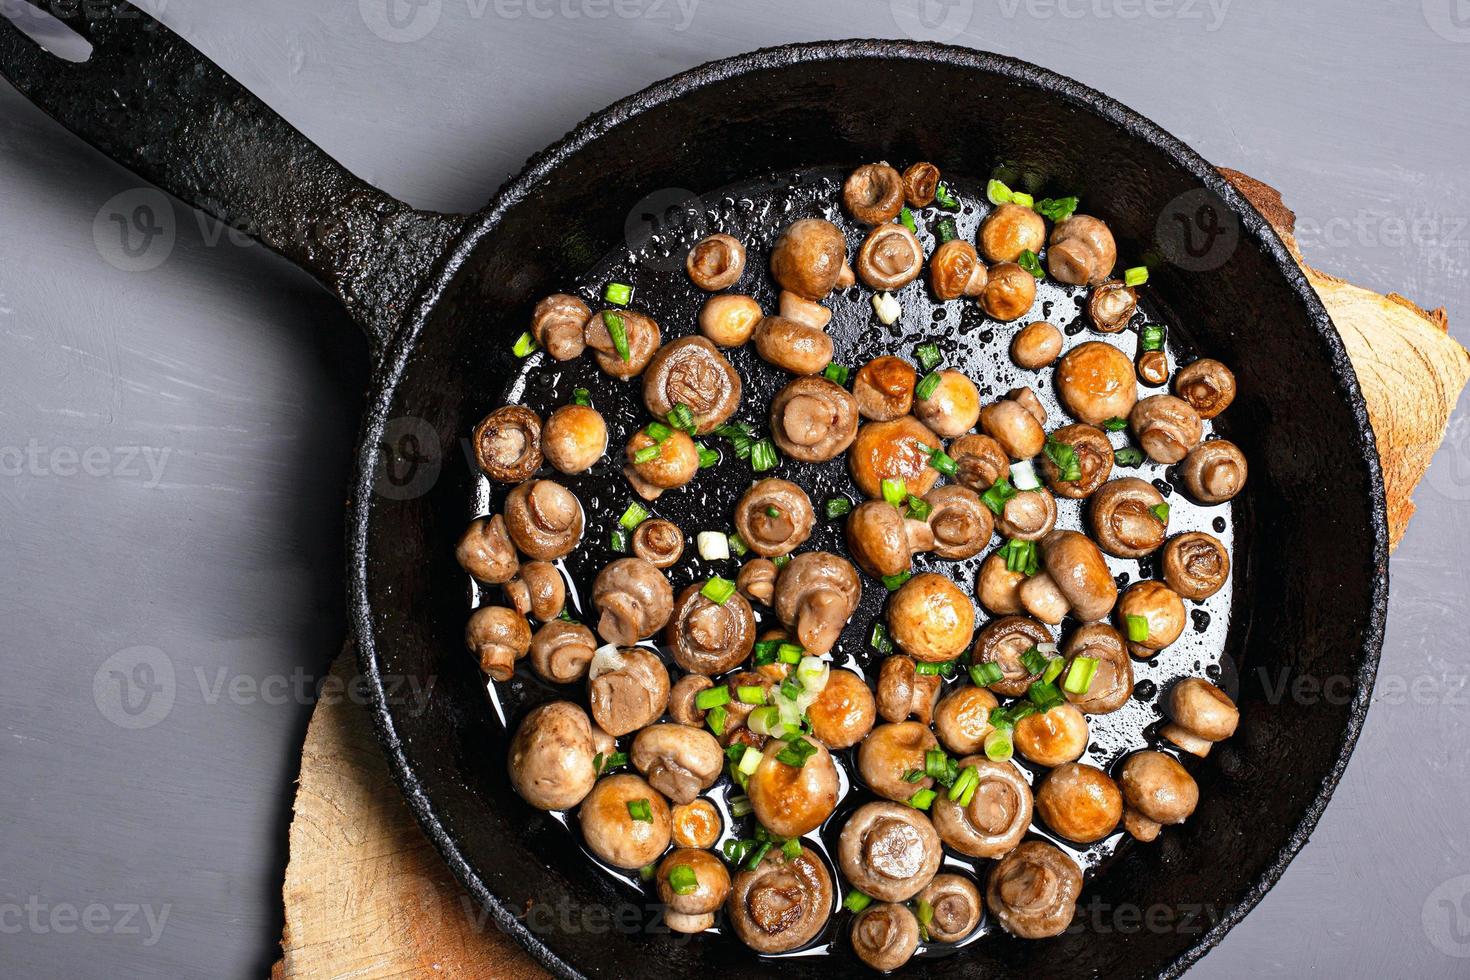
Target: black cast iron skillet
[[440, 297]]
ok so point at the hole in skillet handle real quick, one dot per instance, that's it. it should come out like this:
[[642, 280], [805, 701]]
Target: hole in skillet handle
[[47, 31]]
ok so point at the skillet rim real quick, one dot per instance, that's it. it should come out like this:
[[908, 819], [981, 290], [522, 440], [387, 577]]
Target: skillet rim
[[397, 353]]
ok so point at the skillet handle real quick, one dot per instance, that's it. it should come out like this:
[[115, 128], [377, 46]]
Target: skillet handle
[[153, 103]]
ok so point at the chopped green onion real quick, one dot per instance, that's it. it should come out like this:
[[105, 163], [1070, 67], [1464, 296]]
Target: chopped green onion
[[1028, 261], [738, 547], [524, 346], [790, 653], [740, 806], [791, 689], [1023, 475], [716, 719], [781, 561], [906, 218], [1023, 199], [765, 652], [750, 760], [618, 540], [998, 747], [838, 507], [1161, 511], [1058, 209], [1151, 336], [995, 498], [773, 511], [792, 849], [946, 229], [894, 582], [718, 590], [945, 196], [765, 720], [647, 454], [922, 799], [597, 763], [640, 810], [944, 668], [635, 514], [1064, 456], [893, 490], [1136, 276], [1080, 675], [928, 356], [751, 694], [1128, 456], [712, 697], [836, 373], [913, 776], [986, 674], [658, 432], [1045, 696], [1019, 710], [740, 436], [681, 416], [943, 462], [1115, 424], [856, 901], [964, 783], [1034, 661], [757, 856], [997, 192], [707, 457], [618, 331], [1137, 628], [683, 880], [1053, 668], [647, 872], [619, 293], [735, 849], [1020, 556], [879, 639], [927, 386], [936, 764], [999, 718], [763, 456], [925, 914], [796, 752], [581, 396], [918, 508]]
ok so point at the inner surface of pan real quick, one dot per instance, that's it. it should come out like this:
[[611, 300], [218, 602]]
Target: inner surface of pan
[[1309, 542]]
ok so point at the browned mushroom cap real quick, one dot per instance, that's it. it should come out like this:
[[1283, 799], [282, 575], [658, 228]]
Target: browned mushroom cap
[[696, 824], [952, 408], [979, 461], [1095, 382], [1157, 790], [844, 712], [1008, 293], [1033, 891], [643, 339], [898, 450], [882, 541], [551, 756], [962, 719], [774, 517], [1196, 565], [873, 193], [793, 800], [498, 637], [508, 444], [1041, 598], [956, 906], [888, 851], [1081, 251], [1094, 455], [1207, 385], [1036, 345], [930, 619], [884, 388], [612, 832], [782, 904], [1082, 574], [574, 438], [955, 270], [1112, 683], [1080, 802], [1157, 604], [658, 542], [1009, 423], [1052, 737], [537, 591], [998, 814], [1123, 520], [757, 580], [960, 522], [1167, 428], [558, 323], [1202, 715], [676, 463], [635, 600], [890, 257], [627, 689], [813, 420], [707, 637], [903, 691], [885, 935], [1213, 472], [815, 596], [1002, 642], [809, 257], [1153, 368], [692, 910], [561, 651], [1028, 516], [486, 552], [920, 183], [890, 753], [715, 262], [1111, 305], [793, 346], [1010, 230], [691, 372], [544, 519], [677, 760], [997, 587], [729, 319]]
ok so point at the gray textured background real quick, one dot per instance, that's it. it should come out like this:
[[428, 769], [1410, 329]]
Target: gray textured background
[[174, 442]]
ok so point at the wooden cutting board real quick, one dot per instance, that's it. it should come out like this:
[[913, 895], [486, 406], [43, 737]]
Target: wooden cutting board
[[366, 894]]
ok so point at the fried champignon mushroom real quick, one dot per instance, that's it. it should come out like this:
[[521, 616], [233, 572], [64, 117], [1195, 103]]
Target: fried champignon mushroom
[[813, 419], [903, 691], [696, 824], [1081, 251], [979, 460], [708, 637], [1010, 230], [627, 690], [681, 699], [956, 905], [1027, 399], [544, 519], [658, 542], [1201, 714], [952, 408], [793, 800], [873, 193], [998, 814], [1036, 345], [757, 580], [809, 257], [782, 904], [1080, 571], [1160, 606], [551, 756], [774, 517], [890, 257], [1041, 598], [1214, 471], [888, 851], [537, 591], [612, 832], [693, 910], [508, 444], [1153, 368], [920, 184], [815, 596], [962, 719], [1095, 383], [635, 601], [1028, 516], [729, 319], [1111, 305], [676, 464], [803, 310], [561, 651], [1167, 428], [960, 522], [1079, 802], [498, 637], [882, 541], [677, 760], [890, 753], [1009, 423], [1112, 683], [885, 935], [955, 270], [486, 552], [1123, 520], [715, 262], [844, 712], [997, 587], [1033, 891], [1208, 386], [559, 324], [1157, 790], [930, 619], [1196, 565], [897, 450], [643, 341], [1002, 642], [1094, 459], [884, 388], [691, 372], [793, 346], [574, 437], [1052, 737], [1009, 292]]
